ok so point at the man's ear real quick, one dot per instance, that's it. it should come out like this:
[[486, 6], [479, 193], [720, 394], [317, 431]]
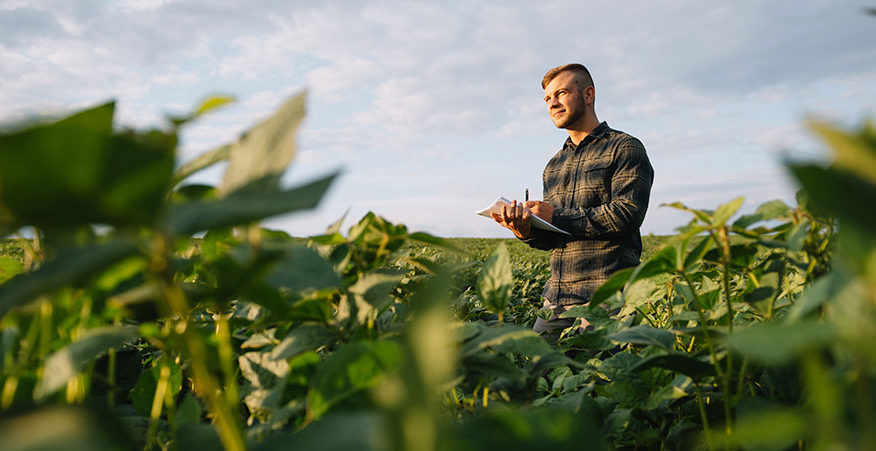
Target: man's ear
[[589, 95]]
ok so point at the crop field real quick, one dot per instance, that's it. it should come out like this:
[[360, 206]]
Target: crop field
[[182, 324]]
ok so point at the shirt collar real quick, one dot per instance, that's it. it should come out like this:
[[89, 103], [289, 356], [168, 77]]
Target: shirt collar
[[597, 133]]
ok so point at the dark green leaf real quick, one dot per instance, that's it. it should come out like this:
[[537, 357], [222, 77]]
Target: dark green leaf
[[303, 269], [63, 428], [838, 192], [188, 218], [77, 171], [680, 363]]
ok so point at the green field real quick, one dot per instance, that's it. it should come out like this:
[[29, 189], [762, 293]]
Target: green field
[[740, 332]]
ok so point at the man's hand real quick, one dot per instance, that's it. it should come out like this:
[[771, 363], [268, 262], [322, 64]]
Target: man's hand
[[541, 209], [515, 218]]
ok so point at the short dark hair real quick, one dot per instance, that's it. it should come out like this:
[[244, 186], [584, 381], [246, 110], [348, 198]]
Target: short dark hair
[[573, 67]]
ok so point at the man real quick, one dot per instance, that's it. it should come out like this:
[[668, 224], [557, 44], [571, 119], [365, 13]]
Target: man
[[596, 188]]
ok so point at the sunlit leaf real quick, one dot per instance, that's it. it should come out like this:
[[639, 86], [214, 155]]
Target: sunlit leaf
[[262, 153]]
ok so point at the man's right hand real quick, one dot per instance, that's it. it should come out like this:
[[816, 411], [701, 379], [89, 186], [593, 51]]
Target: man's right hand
[[515, 218]]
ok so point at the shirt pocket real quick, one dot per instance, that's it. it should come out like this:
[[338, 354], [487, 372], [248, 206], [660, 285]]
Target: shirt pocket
[[594, 183]]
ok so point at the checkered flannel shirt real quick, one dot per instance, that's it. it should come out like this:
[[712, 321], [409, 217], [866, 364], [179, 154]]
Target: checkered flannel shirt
[[599, 190]]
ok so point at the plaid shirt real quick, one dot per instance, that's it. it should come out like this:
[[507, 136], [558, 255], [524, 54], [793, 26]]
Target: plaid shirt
[[599, 190]]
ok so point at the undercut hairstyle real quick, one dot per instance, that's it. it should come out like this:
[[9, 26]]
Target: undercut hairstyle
[[574, 67]]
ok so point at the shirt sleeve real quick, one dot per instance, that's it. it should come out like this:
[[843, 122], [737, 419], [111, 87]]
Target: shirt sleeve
[[540, 239], [630, 192]]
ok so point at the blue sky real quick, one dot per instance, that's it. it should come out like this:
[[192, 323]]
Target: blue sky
[[433, 109]]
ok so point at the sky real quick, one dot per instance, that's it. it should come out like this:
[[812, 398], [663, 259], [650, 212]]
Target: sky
[[434, 109]]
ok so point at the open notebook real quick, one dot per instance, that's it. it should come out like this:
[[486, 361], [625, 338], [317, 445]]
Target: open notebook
[[537, 222]]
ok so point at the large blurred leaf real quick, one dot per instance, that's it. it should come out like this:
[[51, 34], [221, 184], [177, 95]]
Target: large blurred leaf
[[524, 430], [262, 153], [63, 365], [360, 431], [838, 192], [73, 267], [63, 428], [78, 171], [854, 152], [495, 281], [780, 343], [349, 369], [188, 218]]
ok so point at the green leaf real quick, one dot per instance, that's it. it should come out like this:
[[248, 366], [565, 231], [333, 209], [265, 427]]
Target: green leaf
[[645, 335], [143, 393], [495, 281], [9, 267], [854, 152], [612, 285], [188, 218], [365, 431], [765, 212], [301, 339], [767, 428], [817, 294], [838, 192], [65, 428], [349, 369], [78, 171], [677, 389], [73, 267], [726, 211], [262, 153], [680, 363], [371, 292], [63, 365], [200, 162], [781, 343], [303, 269]]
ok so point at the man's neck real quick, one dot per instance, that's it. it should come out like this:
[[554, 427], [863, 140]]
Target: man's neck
[[577, 132]]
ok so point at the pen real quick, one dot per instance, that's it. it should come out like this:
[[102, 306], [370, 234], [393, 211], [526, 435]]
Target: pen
[[526, 197]]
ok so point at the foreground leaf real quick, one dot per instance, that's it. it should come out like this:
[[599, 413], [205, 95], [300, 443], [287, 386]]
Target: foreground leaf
[[188, 218], [63, 365], [73, 267]]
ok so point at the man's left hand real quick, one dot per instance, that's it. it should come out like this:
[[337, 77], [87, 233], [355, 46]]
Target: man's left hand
[[541, 209]]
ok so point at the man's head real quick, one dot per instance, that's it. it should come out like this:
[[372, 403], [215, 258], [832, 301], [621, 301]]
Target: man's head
[[570, 96]]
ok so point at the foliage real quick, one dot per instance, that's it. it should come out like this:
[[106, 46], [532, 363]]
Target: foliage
[[749, 331]]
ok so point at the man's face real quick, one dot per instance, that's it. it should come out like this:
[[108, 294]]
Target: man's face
[[565, 100]]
